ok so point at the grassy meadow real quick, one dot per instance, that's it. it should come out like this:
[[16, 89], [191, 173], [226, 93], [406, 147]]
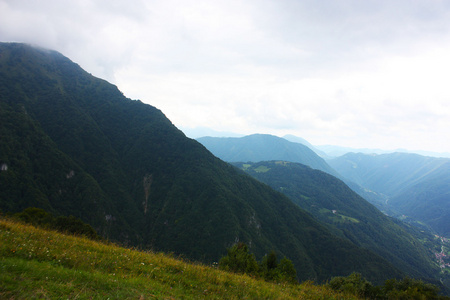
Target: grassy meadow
[[42, 264]]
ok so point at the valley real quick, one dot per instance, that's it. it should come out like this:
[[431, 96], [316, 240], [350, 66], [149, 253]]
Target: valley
[[443, 255], [416, 188], [285, 177]]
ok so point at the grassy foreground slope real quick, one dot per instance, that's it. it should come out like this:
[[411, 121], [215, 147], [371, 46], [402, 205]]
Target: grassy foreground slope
[[36, 263]]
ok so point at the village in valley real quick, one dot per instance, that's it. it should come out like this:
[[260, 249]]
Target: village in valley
[[443, 257]]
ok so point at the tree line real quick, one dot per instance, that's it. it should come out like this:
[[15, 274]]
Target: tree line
[[240, 260]]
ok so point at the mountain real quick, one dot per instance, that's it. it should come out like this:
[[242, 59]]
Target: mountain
[[264, 147], [74, 145], [296, 139], [336, 151], [416, 186], [332, 151], [198, 132], [333, 202]]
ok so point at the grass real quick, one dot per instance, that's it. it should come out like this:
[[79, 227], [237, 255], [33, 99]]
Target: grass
[[261, 169], [41, 264], [336, 217], [246, 166]]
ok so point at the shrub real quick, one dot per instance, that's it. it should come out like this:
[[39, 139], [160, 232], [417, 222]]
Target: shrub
[[41, 218], [353, 284], [35, 216], [409, 288], [406, 288], [75, 226]]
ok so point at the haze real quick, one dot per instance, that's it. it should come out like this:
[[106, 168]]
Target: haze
[[367, 74]]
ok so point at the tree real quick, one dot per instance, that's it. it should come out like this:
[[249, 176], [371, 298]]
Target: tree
[[287, 271], [269, 266], [273, 270], [239, 260]]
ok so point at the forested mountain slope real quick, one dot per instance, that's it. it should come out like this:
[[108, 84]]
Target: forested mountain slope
[[74, 144], [416, 186], [331, 201]]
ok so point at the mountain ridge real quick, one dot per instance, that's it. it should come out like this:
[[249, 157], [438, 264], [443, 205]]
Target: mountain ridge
[[263, 147]]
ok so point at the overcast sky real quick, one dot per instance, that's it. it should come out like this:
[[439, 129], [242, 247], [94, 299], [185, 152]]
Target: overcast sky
[[353, 73]]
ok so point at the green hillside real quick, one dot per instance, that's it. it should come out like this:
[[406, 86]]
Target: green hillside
[[74, 145], [42, 264], [331, 201]]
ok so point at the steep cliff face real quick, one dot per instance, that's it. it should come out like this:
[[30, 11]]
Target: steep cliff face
[[147, 183]]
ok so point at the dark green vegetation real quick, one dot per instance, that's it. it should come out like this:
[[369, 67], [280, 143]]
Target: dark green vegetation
[[41, 264], [240, 260], [264, 147], [415, 186], [72, 144], [68, 225], [348, 215], [406, 288]]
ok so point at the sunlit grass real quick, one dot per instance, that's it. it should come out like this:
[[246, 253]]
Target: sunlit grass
[[262, 169], [36, 263]]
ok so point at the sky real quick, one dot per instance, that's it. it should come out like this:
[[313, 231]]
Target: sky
[[363, 74]]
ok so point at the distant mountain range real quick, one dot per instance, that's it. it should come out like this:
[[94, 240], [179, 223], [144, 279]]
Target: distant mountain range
[[73, 144], [336, 151], [324, 151], [264, 147]]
